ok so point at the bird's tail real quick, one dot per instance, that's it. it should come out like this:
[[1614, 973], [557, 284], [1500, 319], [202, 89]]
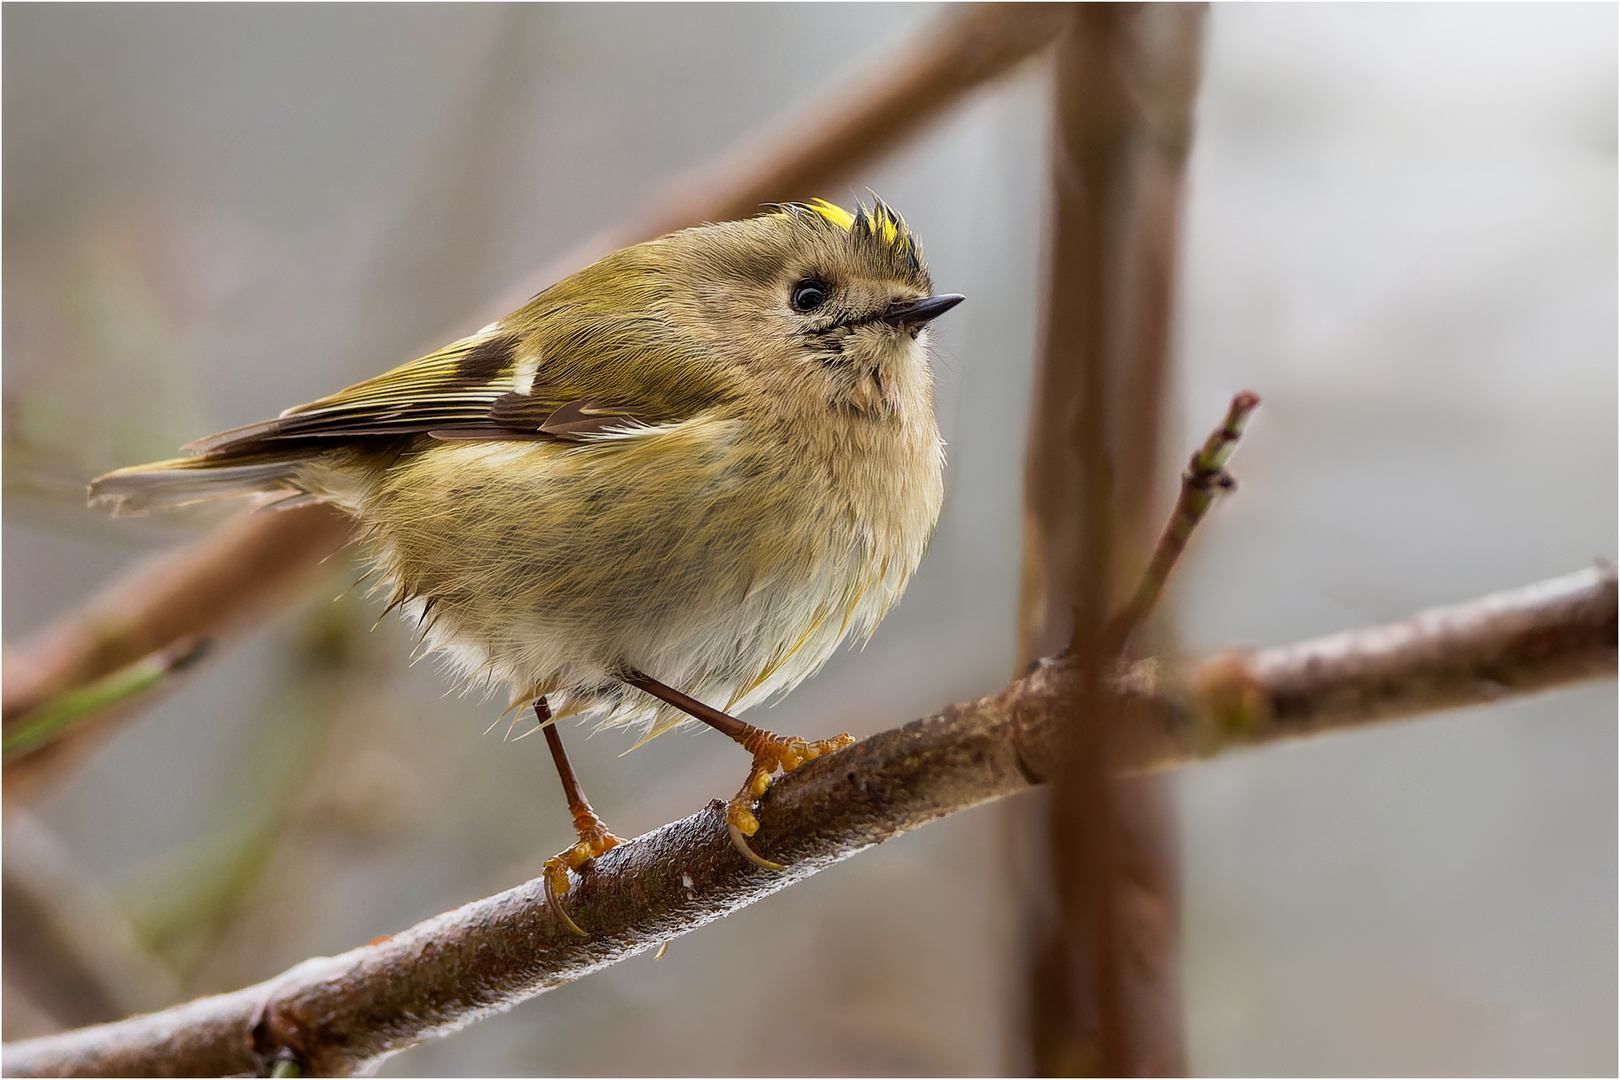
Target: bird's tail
[[179, 481]]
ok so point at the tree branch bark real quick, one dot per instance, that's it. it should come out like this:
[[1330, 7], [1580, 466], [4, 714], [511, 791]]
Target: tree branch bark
[[1504, 644], [1100, 913], [345, 1014]]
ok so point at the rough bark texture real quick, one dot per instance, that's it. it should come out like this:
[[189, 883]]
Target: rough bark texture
[[344, 1014], [1508, 643]]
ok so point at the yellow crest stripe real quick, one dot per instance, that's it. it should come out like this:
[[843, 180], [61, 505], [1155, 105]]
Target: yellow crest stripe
[[833, 213]]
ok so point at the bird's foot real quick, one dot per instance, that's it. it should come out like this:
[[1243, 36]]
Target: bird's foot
[[771, 752], [594, 839]]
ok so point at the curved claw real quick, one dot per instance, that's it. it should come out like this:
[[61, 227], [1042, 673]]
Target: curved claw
[[557, 909], [740, 842]]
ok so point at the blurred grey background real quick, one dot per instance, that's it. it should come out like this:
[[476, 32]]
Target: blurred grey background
[[1401, 232]]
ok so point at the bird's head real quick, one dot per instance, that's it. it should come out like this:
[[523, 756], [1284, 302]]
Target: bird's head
[[812, 299]]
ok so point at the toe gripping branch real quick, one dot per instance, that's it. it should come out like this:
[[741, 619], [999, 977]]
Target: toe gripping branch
[[594, 835], [771, 752], [594, 839]]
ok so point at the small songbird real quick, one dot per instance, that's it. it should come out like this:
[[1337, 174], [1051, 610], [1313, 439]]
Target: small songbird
[[665, 489]]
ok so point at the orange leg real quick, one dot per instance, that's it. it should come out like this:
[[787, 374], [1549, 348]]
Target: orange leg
[[594, 835], [771, 752]]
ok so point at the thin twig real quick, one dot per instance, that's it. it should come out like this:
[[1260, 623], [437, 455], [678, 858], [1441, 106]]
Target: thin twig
[[344, 1014], [1204, 481]]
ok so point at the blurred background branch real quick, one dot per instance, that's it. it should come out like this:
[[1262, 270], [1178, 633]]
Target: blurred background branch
[[56, 717], [1102, 899], [816, 149], [215, 588]]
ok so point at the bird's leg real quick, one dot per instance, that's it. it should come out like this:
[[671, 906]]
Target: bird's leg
[[594, 835], [771, 752]]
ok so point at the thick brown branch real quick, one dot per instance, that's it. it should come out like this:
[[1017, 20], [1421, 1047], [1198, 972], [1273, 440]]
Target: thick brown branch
[[1508, 643], [342, 1014], [1102, 995]]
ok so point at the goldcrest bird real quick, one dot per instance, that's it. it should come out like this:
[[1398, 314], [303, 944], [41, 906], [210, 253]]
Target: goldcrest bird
[[666, 488]]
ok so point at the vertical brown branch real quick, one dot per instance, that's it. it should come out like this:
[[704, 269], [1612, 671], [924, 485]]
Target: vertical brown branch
[[1076, 1023], [1164, 55], [1076, 1026], [1103, 984], [1165, 51]]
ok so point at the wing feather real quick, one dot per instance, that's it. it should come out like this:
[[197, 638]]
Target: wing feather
[[595, 354], [467, 390], [570, 365]]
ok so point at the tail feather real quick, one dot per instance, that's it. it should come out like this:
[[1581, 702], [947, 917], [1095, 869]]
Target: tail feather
[[180, 481]]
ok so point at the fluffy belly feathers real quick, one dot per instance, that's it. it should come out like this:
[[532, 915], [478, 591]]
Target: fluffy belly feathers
[[719, 563]]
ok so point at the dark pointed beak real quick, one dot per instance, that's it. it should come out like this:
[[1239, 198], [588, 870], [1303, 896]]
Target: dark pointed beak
[[912, 315]]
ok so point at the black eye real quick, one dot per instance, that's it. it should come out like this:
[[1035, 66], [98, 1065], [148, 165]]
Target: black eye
[[808, 295]]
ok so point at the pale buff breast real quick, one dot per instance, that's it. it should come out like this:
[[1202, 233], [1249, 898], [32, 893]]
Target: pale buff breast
[[721, 558]]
